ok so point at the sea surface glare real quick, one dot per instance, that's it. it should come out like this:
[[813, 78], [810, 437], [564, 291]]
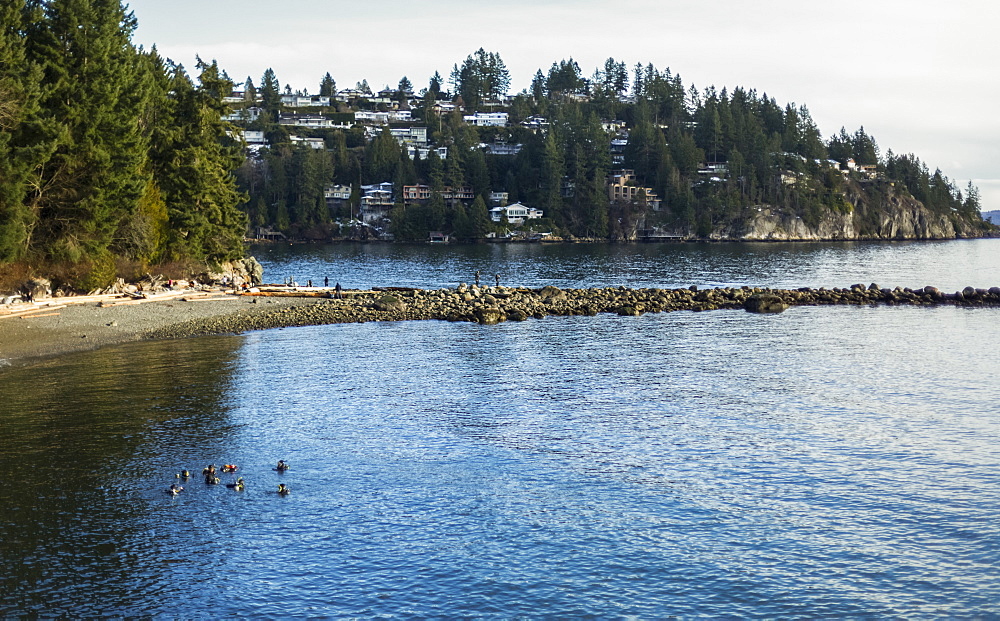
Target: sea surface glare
[[824, 462]]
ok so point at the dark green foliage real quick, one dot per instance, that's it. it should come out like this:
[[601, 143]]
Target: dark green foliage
[[703, 159], [108, 153], [483, 76], [194, 162]]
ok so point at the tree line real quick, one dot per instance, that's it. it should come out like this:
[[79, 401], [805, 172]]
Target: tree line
[[771, 155], [112, 158]]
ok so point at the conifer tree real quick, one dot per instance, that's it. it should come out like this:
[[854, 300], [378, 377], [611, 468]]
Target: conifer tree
[[195, 162], [327, 86], [23, 147], [95, 89]]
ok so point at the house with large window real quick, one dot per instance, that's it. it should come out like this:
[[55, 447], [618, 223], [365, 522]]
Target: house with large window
[[486, 119], [516, 213], [624, 186]]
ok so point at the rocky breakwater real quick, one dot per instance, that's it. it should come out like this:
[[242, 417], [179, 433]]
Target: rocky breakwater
[[497, 304]]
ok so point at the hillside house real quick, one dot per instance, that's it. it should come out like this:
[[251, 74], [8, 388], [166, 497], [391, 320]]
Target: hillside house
[[420, 193], [487, 119], [305, 101], [313, 121], [371, 117], [412, 151], [516, 213], [500, 148], [623, 186], [314, 143], [410, 135]]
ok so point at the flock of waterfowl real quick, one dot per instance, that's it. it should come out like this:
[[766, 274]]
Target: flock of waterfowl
[[211, 478]]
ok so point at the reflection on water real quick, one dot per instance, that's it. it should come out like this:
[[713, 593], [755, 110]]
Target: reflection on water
[[83, 439], [822, 462]]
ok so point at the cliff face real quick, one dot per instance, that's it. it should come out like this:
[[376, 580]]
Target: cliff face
[[885, 216]]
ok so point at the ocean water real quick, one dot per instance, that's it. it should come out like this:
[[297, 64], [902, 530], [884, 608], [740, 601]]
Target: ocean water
[[824, 462]]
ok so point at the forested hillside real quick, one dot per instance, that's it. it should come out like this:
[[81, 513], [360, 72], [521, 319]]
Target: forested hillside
[[713, 160], [111, 157], [114, 160]]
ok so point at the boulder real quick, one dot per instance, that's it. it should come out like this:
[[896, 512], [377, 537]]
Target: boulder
[[552, 294], [764, 303], [517, 315], [388, 302], [36, 289], [490, 316]]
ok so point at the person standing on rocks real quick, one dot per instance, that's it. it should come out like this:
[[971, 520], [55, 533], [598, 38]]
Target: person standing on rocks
[[338, 292], [497, 276], [477, 277]]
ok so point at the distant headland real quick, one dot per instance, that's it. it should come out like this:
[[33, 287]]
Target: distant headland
[[117, 162]]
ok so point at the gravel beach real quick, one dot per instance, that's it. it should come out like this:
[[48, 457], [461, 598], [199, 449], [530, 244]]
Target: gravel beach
[[80, 327], [29, 332]]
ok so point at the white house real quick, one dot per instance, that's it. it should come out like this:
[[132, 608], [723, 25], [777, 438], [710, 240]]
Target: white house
[[254, 136], [305, 101], [487, 119], [516, 213], [315, 143], [412, 151], [368, 116], [314, 121], [248, 115]]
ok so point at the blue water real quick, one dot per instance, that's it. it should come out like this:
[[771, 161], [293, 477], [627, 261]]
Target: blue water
[[950, 265], [824, 462]]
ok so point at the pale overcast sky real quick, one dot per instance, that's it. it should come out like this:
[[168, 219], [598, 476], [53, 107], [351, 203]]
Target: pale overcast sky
[[922, 77]]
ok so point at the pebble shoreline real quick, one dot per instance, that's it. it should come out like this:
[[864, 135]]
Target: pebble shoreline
[[491, 305]]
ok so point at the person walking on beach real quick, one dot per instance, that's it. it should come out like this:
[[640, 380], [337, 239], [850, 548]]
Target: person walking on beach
[[326, 281]]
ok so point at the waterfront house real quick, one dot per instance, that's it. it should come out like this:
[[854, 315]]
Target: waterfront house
[[515, 214]]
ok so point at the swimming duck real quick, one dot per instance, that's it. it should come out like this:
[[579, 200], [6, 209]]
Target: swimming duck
[[175, 489], [283, 489], [209, 470], [238, 485], [211, 479], [230, 468], [184, 474], [282, 466]]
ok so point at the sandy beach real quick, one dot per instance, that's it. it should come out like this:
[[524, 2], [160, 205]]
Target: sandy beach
[[62, 325]]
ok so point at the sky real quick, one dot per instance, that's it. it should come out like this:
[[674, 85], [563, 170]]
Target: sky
[[921, 77]]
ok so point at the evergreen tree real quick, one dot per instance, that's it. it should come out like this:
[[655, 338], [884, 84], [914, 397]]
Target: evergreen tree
[[270, 94], [327, 86], [195, 161], [249, 91], [552, 171], [95, 90], [24, 145], [479, 219]]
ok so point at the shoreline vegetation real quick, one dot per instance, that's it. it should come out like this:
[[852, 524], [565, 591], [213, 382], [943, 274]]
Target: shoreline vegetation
[[116, 161], [30, 331]]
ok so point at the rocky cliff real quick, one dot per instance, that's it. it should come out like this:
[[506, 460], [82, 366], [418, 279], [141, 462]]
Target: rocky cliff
[[882, 213]]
